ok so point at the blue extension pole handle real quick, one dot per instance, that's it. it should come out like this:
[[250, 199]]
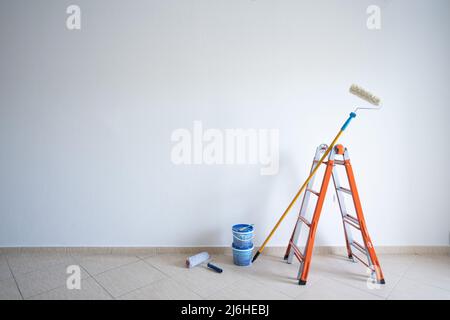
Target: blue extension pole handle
[[215, 268], [352, 115]]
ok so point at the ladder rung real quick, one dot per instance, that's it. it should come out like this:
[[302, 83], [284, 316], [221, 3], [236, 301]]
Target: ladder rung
[[324, 162], [341, 162], [351, 218], [359, 247], [344, 190], [313, 192], [351, 223], [304, 221], [362, 261], [297, 252]]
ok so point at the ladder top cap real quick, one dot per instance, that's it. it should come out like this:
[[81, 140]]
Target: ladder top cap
[[339, 148]]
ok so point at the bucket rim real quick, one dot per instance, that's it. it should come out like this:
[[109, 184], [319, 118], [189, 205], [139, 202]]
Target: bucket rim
[[243, 225], [251, 248]]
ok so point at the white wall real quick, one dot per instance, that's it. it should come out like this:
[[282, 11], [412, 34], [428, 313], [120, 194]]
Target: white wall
[[86, 117]]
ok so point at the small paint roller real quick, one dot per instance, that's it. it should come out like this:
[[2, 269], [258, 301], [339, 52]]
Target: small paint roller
[[200, 258]]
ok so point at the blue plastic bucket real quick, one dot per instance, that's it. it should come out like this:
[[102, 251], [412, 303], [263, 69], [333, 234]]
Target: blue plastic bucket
[[242, 257], [242, 236]]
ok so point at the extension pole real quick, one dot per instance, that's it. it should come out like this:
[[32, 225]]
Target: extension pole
[[352, 115]]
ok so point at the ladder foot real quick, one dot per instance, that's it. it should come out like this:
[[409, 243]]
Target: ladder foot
[[302, 282], [382, 281], [286, 257]]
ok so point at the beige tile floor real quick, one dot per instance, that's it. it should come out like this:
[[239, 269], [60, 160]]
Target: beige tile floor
[[163, 276]]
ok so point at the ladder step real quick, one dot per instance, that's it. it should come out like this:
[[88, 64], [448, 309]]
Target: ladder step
[[363, 262], [352, 221], [351, 218], [303, 219], [344, 190], [340, 162], [358, 246], [313, 192], [297, 252]]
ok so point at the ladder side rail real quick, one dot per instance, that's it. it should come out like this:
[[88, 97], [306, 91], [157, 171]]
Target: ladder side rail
[[304, 267], [344, 212], [372, 257], [296, 233]]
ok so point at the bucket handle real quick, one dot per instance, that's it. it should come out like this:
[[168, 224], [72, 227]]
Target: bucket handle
[[253, 236]]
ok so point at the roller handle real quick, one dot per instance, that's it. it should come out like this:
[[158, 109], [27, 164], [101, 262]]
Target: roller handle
[[352, 115], [215, 268]]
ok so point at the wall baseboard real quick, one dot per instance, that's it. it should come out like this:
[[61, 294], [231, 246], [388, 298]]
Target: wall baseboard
[[276, 251]]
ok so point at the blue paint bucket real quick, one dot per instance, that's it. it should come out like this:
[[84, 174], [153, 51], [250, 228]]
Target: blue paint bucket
[[242, 236], [242, 257]]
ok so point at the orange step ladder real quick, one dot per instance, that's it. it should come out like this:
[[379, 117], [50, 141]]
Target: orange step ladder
[[349, 221]]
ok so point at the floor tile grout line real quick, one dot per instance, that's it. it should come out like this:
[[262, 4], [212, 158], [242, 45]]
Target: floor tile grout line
[[257, 280], [156, 281], [39, 269], [356, 288], [124, 265], [275, 289], [170, 277], [353, 286], [101, 286], [221, 288], [96, 281], [112, 268], [262, 282], [341, 281], [402, 276], [426, 284], [59, 287], [143, 258], [14, 277], [399, 275], [310, 286], [249, 277], [421, 282], [156, 267], [147, 285], [117, 267], [141, 287]]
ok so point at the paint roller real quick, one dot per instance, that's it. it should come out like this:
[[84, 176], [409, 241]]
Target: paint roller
[[360, 93], [200, 258]]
